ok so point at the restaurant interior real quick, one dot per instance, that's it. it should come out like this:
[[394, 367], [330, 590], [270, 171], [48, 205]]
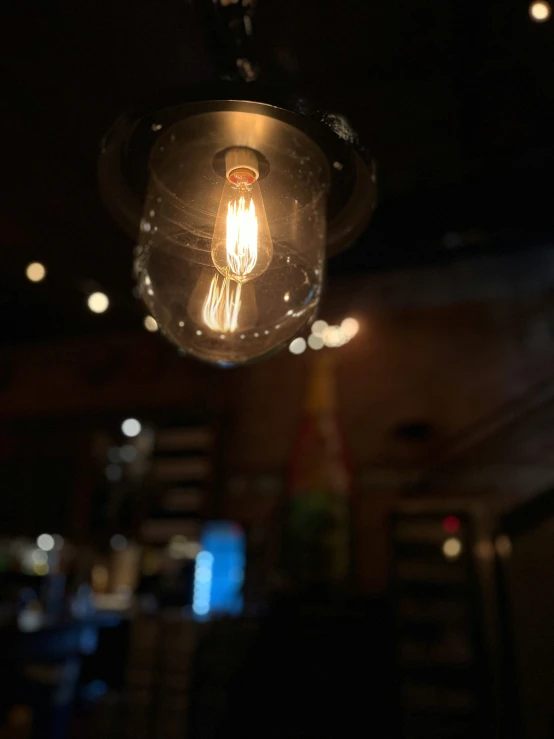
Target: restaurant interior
[[276, 370]]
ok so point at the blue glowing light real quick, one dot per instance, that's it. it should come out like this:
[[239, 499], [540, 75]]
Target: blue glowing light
[[219, 570], [202, 583]]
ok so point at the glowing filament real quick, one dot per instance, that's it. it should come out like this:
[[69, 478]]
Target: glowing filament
[[222, 305], [242, 238]]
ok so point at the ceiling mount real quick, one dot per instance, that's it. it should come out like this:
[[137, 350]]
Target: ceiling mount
[[126, 148]]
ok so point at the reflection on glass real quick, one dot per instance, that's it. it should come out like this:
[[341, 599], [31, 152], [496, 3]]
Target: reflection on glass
[[222, 305]]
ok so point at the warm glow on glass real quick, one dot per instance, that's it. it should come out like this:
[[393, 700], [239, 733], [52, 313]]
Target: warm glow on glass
[[540, 11], [350, 327], [35, 272], [452, 548], [150, 324], [98, 302]]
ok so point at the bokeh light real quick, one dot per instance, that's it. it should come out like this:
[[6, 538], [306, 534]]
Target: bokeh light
[[484, 549], [39, 557], [131, 427], [503, 545], [350, 328], [318, 327], [100, 578], [324, 335], [35, 272], [98, 302], [451, 524], [180, 547], [315, 342], [46, 542], [297, 346], [128, 453], [540, 11], [150, 324], [333, 337], [118, 542], [114, 472], [452, 548], [203, 583]]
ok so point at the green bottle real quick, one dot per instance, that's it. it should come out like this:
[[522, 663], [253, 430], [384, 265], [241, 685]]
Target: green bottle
[[317, 536]]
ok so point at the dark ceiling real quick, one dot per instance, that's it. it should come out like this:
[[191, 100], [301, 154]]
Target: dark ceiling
[[454, 99]]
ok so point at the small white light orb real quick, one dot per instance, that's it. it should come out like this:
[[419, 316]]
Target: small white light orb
[[540, 11], [35, 272], [150, 324], [131, 427], [46, 542], [452, 547], [98, 302], [297, 346]]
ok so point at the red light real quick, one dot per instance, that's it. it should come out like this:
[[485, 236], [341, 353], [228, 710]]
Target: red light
[[451, 524]]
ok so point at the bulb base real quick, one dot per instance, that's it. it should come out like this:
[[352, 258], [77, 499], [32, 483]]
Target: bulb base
[[241, 166]]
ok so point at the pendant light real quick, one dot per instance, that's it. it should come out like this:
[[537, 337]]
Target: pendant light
[[236, 197]]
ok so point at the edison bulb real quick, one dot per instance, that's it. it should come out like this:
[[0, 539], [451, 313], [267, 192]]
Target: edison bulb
[[234, 219], [241, 247]]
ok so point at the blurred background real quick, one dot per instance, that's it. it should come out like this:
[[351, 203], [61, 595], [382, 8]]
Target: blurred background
[[353, 536]]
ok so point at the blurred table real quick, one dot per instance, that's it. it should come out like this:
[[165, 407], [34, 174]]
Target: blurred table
[[41, 669]]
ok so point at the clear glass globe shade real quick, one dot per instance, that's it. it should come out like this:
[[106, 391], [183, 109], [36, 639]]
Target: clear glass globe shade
[[205, 299]]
